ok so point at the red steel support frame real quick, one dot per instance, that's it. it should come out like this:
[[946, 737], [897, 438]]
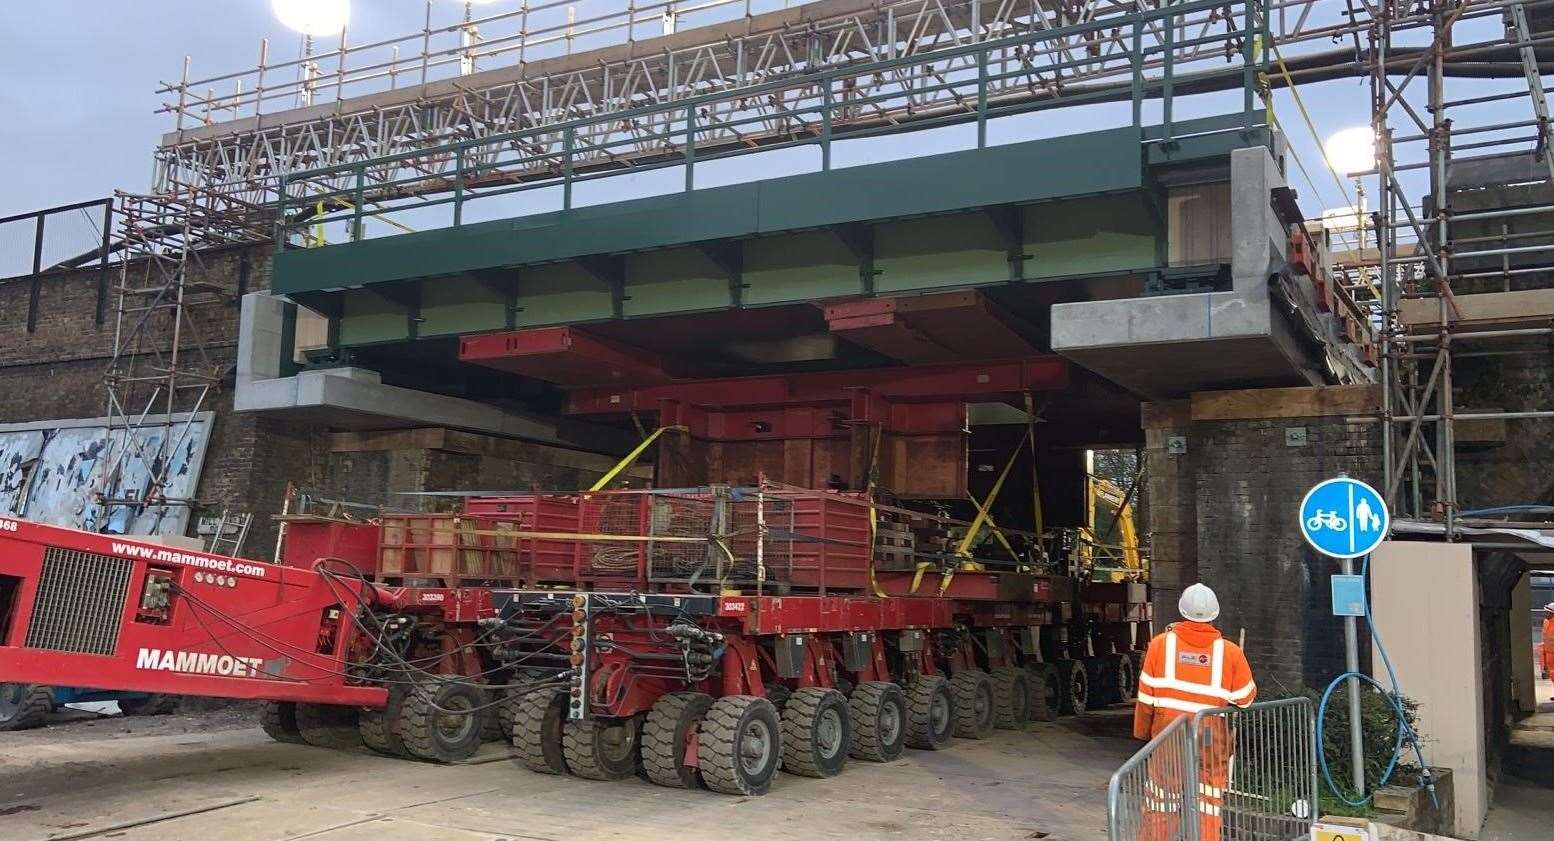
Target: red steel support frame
[[906, 384]]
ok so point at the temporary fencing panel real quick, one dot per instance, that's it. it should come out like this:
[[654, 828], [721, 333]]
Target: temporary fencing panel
[[1147, 798], [1228, 774], [1258, 766]]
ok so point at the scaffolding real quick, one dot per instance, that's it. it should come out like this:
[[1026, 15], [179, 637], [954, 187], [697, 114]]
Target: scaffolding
[[161, 371], [1485, 222]]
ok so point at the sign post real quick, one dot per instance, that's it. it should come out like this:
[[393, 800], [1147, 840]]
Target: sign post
[[1345, 518]]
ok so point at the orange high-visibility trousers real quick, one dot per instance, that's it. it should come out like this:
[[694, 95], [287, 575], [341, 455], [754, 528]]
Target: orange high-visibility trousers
[[1164, 795], [1162, 806]]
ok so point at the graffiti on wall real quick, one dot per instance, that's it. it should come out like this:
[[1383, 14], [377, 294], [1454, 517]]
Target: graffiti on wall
[[56, 472]]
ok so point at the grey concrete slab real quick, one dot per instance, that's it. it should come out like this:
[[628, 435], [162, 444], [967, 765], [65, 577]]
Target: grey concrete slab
[[1046, 782]]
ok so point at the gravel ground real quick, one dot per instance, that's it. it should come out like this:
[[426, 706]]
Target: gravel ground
[[70, 724]]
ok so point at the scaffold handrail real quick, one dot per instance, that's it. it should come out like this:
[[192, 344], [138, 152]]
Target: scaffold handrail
[[953, 85]]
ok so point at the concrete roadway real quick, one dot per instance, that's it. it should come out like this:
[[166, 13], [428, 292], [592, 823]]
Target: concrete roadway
[[212, 785]]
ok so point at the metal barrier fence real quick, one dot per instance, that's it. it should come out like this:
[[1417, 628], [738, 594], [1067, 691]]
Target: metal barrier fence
[[1147, 797], [70, 236], [1228, 774]]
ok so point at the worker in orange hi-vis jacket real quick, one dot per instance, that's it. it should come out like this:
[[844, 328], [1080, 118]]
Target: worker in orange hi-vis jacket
[[1189, 668], [1548, 640]]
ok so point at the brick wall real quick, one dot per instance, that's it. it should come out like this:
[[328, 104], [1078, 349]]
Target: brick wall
[[379, 468], [1224, 513], [56, 372]]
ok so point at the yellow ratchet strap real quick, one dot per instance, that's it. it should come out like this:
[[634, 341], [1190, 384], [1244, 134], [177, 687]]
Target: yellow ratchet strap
[[631, 458], [964, 549]]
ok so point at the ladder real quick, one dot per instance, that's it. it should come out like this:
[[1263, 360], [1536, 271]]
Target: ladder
[[230, 534], [1530, 69]]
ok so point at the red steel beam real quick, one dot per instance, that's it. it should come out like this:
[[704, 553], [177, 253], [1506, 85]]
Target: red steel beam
[[565, 356], [918, 383]]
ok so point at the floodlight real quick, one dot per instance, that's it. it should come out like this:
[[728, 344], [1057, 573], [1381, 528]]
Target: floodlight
[[1351, 150], [313, 17]]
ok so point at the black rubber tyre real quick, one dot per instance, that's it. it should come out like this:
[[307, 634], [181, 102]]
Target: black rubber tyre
[[379, 728], [1138, 661], [740, 746], [1075, 680], [878, 711], [976, 711], [778, 695], [328, 726], [149, 705], [816, 733], [507, 712], [1124, 680], [24, 706], [667, 732], [278, 720], [441, 719], [1046, 691], [538, 720], [930, 713], [1011, 698], [603, 748]]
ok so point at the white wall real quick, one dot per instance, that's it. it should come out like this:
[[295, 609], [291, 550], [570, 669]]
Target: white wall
[[1425, 600]]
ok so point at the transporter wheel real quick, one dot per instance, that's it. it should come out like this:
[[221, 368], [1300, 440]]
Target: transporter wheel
[[930, 713], [603, 748], [278, 720], [816, 733], [328, 726], [666, 736], [975, 705], [740, 745], [1075, 696], [1138, 663], [1124, 680], [379, 728], [538, 719], [24, 705], [879, 721], [149, 705], [1046, 691], [1011, 698], [441, 719]]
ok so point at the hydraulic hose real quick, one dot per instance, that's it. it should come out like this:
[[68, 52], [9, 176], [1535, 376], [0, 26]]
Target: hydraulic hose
[[1404, 731]]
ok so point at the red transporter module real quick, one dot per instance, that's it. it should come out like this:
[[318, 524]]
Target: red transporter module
[[320, 643], [712, 635], [704, 633]]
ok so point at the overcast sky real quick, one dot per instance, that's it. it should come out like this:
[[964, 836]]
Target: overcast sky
[[78, 81]]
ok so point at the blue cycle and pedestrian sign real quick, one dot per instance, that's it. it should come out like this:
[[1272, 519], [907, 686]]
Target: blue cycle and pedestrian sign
[[1344, 518]]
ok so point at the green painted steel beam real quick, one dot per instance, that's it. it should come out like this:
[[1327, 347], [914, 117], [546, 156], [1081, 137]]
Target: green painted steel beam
[[1038, 170]]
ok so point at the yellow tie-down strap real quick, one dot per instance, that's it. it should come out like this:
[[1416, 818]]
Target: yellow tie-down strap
[[874, 514], [964, 549], [631, 458]]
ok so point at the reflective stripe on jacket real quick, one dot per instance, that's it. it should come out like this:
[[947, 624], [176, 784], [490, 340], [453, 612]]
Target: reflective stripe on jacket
[[1189, 668]]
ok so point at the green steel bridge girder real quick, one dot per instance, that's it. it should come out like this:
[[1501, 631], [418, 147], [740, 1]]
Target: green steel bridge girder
[[1070, 206]]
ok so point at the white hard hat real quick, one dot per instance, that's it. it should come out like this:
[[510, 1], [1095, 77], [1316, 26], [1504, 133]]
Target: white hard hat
[[1549, 607], [1199, 604]]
